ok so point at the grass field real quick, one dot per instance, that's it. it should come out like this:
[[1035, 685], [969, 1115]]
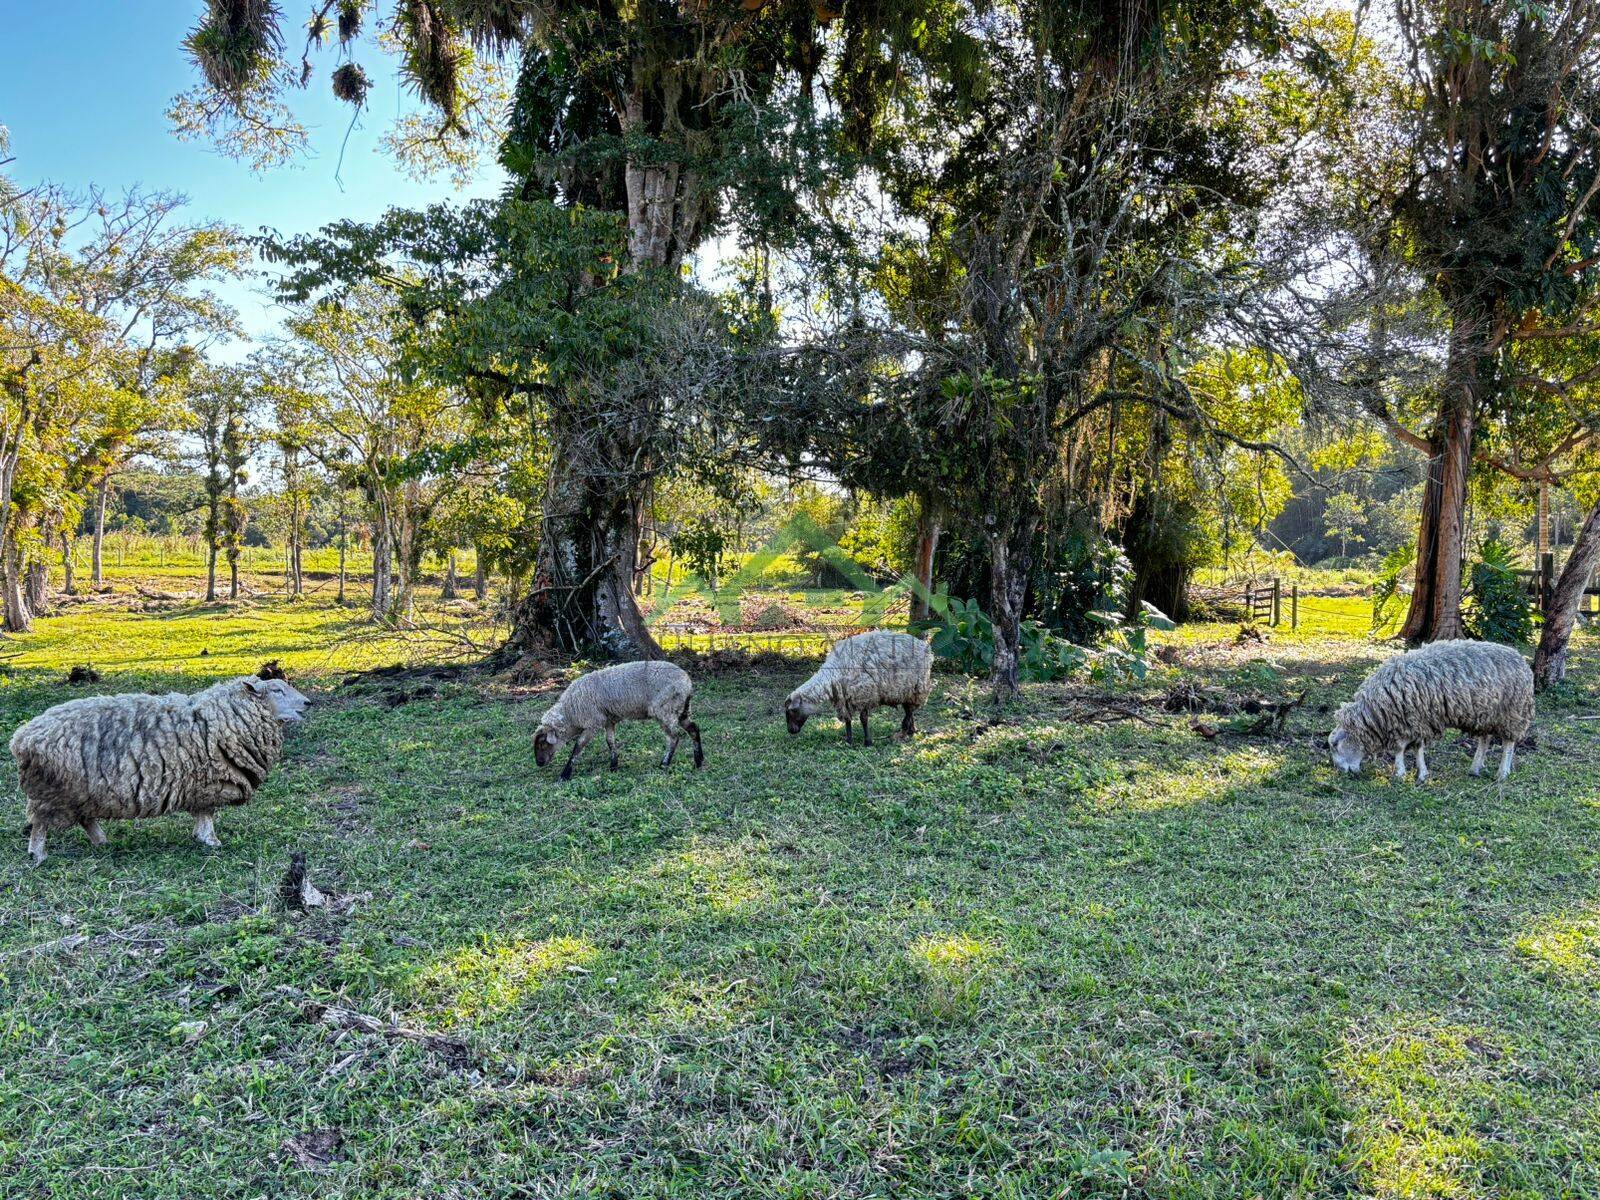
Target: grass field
[[1030, 954]]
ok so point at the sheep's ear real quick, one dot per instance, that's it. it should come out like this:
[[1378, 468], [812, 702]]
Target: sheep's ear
[[254, 684]]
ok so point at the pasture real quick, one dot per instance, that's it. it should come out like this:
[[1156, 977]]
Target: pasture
[[1066, 948]]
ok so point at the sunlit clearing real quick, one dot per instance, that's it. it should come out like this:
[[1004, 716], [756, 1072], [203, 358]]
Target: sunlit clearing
[[1569, 946], [1412, 1133], [709, 875], [954, 972], [495, 976]]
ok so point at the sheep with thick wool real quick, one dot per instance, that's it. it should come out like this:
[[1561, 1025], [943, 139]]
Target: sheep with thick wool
[[599, 701], [864, 672], [133, 756], [1481, 688]]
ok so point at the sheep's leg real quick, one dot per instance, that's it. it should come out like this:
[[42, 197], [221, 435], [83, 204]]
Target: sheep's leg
[[1400, 762], [908, 727], [582, 740], [97, 836], [1422, 764], [611, 745], [693, 731], [849, 728], [36, 842], [204, 832], [1507, 757], [1481, 754], [866, 730], [672, 742]]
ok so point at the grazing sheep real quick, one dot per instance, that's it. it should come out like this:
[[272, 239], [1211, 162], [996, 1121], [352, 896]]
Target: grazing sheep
[[124, 757], [862, 673], [1480, 688], [600, 700]]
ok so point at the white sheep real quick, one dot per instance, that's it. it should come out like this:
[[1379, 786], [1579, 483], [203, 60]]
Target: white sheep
[[599, 701], [132, 756], [864, 672], [1480, 688]]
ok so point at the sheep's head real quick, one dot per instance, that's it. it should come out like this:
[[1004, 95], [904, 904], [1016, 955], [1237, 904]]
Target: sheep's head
[[1346, 749], [545, 741], [796, 713], [288, 703]]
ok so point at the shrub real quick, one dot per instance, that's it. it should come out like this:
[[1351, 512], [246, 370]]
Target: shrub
[[1499, 609]]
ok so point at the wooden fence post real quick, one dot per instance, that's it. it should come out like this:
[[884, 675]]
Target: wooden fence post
[[1277, 601], [1294, 606]]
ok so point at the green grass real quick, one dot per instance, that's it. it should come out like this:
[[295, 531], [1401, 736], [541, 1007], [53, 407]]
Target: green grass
[[1025, 955]]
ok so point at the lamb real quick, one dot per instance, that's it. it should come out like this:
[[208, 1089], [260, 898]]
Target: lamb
[[862, 673], [599, 701], [1480, 688], [132, 756]]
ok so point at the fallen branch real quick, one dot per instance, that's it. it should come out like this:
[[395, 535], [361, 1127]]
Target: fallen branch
[[452, 1050]]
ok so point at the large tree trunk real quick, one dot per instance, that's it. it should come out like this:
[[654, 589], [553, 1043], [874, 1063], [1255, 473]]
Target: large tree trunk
[[1435, 613], [38, 576], [97, 575], [233, 573], [1550, 660], [1008, 581], [68, 584], [296, 576], [448, 591], [480, 575], [382, 580], [922, 568], [344, 540], [17, 618], [582, 594], [213, 528]]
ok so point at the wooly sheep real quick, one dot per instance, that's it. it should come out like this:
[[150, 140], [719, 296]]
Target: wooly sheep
[[131, 756], [599, 701], [1480, 688], [865, 672]]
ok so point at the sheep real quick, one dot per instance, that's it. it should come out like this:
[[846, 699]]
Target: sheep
[[599, 701], [862, 673], [132, 756], [1480, 688]]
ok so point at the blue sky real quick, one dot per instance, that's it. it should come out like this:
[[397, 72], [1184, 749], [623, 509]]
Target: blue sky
[[84, 85]]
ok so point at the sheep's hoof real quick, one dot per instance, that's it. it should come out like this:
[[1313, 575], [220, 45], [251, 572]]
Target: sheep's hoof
[[613, 764], [566, 775]]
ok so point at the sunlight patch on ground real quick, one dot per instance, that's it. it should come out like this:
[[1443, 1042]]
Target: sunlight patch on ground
[[1412, 1132], [497, 976], [954, 971], [1568, 946], [706, 874]]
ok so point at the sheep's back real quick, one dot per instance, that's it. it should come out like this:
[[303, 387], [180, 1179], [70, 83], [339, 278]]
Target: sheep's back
[[878, 668], [143, 756], [635, 691], [1477, 687]]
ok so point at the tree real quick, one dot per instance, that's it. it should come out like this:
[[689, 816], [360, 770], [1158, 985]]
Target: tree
[[99, 298], [1550, 659], [219, 399], [632, 127], [1497, 215], [1344, 514], [373, 426]]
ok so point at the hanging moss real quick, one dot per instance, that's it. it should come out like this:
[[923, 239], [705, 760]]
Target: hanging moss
[[236, 43], [433, 56], [351, 85]]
